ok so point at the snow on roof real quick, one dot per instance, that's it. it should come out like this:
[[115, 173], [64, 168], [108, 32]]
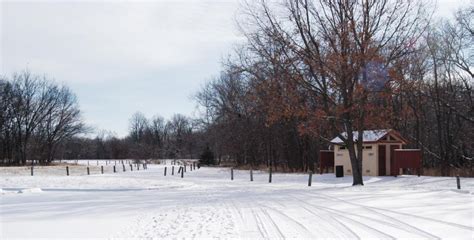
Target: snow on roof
[[367, 135]]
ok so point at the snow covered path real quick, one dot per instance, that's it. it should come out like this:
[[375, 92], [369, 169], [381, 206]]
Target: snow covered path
[[206, 204]]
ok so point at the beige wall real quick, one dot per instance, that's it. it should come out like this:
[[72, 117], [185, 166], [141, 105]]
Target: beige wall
[[370, 164], [369, 160]]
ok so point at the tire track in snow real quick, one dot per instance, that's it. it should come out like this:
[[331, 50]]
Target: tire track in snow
[[396, 226], [424, 218], [343, 225], [238, 213], [234, 206], [273, 228], [260, 226], [400, 226], [296, 223], [264, 211], [376, 210], [249, 223], [344, 215], [334, 225]]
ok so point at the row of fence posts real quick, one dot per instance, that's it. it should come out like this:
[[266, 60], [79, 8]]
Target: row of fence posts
[[181, 170], [144, 166], [310, 177], [270, 172]]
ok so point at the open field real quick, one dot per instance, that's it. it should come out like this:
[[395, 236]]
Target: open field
[[207, 204]]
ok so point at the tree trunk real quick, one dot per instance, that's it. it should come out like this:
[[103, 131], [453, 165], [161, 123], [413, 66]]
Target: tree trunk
[[356, 161]]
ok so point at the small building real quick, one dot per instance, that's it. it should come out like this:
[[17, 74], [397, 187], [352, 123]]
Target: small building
[[378, 152]]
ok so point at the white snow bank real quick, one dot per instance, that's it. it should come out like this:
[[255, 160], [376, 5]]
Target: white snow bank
[[30, 190], [4, 192]]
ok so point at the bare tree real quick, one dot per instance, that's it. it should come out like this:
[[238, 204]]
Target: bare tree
[[138, 126], [36, 116], [32, 101], [62, 121]]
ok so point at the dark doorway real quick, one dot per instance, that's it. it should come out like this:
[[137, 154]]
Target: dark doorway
[[382, 160], [393, 171]]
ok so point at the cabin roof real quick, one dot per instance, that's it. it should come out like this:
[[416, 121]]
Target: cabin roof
[[371, 136]]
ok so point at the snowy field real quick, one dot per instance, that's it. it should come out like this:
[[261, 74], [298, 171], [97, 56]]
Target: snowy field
[[207, 204]]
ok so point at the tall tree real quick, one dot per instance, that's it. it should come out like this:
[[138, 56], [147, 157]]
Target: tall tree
[[345, 50]]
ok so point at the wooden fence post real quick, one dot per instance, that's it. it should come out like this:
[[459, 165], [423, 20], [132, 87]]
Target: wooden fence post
[[458, 181], [232, 174], [270, 175], [102, 169], [165, 171], [131, 167], [251, 175], [123, 165], [185, 167], [310, 179], [31, 170], [114, 169], [67, 170], [88, 171], [172, 170]]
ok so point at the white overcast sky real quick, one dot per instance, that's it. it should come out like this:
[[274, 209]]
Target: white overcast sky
[[127, 56]]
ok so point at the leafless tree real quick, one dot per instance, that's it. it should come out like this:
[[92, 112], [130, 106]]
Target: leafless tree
[[37, 115]]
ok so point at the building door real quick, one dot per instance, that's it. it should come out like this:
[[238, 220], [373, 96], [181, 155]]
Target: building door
[[393, 171], [382, 158]]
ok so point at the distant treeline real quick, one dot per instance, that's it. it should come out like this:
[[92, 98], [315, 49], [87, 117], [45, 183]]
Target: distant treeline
[[152, 138]]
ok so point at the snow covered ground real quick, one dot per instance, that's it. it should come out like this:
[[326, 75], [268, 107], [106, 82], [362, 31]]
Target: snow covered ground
[[207, 204]]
